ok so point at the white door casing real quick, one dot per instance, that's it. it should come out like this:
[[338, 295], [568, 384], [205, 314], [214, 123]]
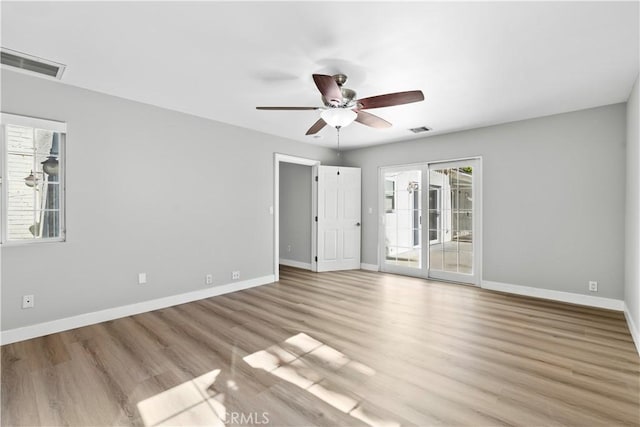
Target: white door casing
[[285, 158], [339, 218]]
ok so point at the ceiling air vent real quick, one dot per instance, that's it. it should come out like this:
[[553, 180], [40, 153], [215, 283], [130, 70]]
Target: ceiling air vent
[[31, 63], [420, 129]]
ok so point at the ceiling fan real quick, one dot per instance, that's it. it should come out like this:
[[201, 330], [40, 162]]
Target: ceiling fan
[[341, 107]]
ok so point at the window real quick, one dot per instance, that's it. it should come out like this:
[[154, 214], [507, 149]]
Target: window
[[389, 195], [32, 179]]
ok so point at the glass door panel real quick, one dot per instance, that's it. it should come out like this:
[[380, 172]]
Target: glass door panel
[[451, 221], [402, 221]]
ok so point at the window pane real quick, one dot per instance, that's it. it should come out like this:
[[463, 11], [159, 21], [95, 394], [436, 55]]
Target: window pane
[[466, 262], [20, 166], [435, 256], [20, 196], [44, 142], [450, 261], [19, 139], [49, 224], [21, 225], [391, 253]]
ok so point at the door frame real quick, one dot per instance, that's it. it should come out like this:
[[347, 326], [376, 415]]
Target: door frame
[[285, 158]]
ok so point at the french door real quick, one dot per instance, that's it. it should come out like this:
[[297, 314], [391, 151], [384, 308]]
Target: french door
[[435, 232]]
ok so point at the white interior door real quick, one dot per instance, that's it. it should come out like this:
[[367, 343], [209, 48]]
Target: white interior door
[[339, 193]]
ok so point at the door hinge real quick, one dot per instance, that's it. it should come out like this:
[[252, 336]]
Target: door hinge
[[316, 259], [316, 179], [316, 219]]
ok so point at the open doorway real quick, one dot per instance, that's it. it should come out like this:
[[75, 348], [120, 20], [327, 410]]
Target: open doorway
[[294, 207], [295, 215]]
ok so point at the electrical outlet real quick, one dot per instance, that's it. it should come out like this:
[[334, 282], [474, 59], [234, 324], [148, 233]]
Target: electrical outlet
[[28, 301], [142, 278], [593, 286], [208, 279], [235, 275]]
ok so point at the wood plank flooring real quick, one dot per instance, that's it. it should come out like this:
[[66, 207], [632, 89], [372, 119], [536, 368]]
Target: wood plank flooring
[[350, 348]]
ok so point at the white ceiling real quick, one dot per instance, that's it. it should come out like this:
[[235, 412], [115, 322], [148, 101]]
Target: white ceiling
[[477, 63]]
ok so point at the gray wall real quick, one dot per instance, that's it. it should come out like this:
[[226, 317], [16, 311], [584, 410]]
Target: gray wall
[[553, 196], [295, 212], [148, 190], [632, 247]]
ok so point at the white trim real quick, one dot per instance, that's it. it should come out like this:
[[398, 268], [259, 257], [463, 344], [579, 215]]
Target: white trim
[[297, 160], [314, 223], [580, 299], [86, 319], [277, 159], [296, 264], [369, 267], [632, 328], [33, 122], [410, 166]]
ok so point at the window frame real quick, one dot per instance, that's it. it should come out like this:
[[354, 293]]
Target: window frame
[[36, 123]]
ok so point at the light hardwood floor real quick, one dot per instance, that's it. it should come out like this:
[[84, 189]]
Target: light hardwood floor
[[347, 348]]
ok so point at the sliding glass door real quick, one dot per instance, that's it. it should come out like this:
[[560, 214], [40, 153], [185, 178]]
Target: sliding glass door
[[446, 244]]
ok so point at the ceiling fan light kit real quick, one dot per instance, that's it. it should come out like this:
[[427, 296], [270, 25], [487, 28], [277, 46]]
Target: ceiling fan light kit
[[341, 108], [338, 117]]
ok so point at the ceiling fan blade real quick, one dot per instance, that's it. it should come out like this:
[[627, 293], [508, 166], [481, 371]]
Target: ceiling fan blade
[[371, 120], [391, 99], [316, 127], [328, 88], [287, 108]]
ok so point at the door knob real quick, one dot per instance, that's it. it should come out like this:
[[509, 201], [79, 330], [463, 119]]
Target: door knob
[[357, 224]]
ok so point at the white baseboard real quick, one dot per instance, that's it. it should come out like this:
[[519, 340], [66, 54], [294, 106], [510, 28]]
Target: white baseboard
[[296, 264], [592, 301], [369, 267], [41, 329], [632, 328]]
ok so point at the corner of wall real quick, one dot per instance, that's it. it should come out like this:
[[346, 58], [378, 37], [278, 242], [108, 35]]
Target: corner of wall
[[632, 216]]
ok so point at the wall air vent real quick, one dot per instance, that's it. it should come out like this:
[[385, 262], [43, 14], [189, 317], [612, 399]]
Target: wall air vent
[[420, 129], [30, 63]]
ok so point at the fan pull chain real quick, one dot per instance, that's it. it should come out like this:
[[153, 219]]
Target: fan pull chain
[[338, 129]]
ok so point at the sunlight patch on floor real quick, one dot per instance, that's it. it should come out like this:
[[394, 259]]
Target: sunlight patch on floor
[[279, 360], [193, 402]]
